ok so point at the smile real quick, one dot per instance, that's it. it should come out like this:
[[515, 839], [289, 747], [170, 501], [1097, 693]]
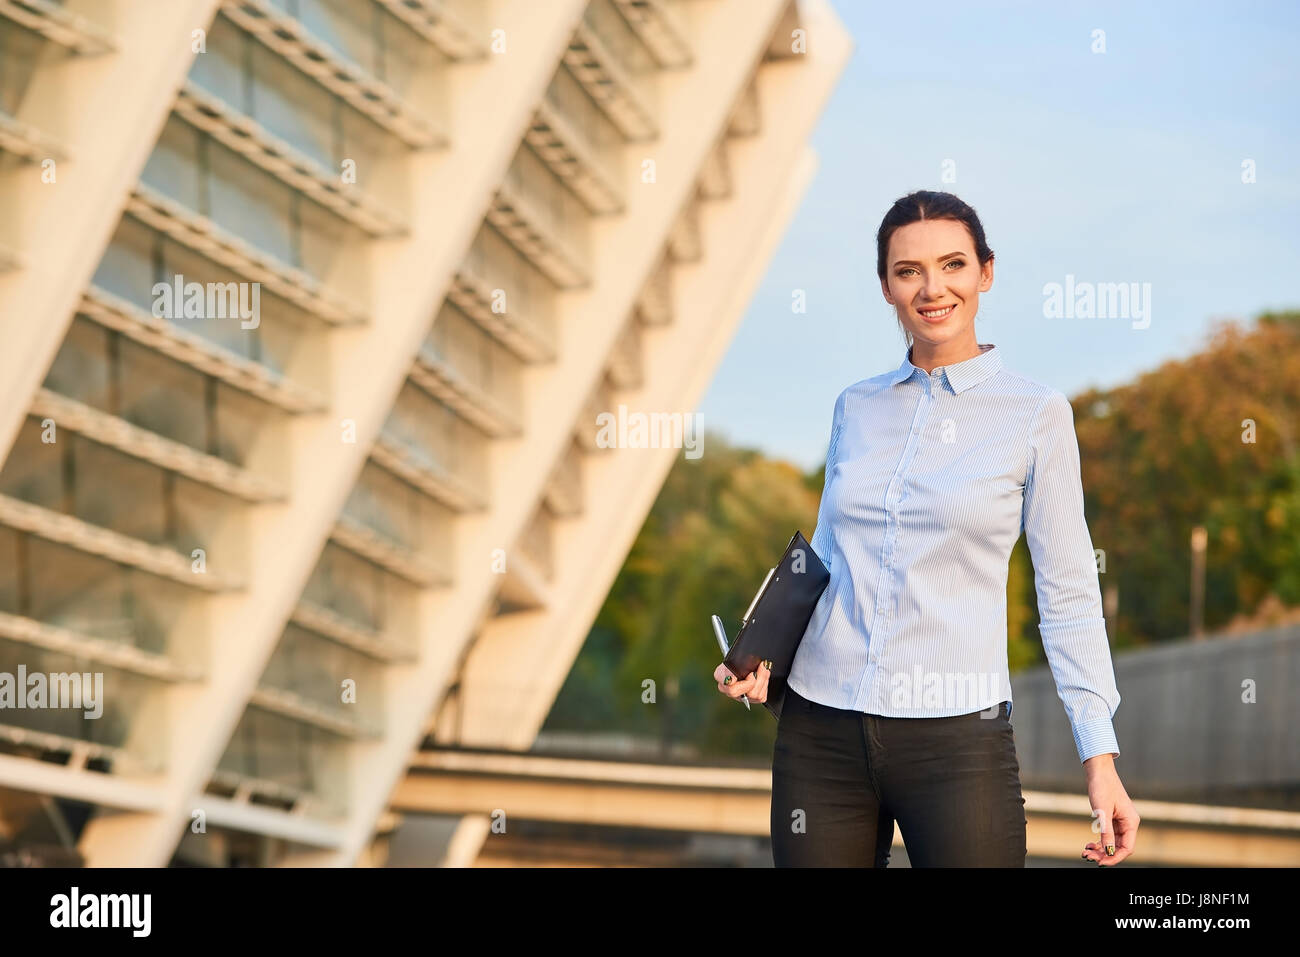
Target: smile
[[936, 313]]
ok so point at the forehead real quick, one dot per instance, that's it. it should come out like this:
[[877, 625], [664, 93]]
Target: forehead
[[930, 239]]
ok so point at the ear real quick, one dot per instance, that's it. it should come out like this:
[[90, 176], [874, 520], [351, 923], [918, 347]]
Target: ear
[[986, 275], [884, 289]]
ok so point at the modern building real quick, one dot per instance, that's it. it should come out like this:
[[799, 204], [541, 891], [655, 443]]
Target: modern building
[[309, 308]]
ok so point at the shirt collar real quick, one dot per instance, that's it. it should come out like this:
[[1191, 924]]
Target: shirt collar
[[960, 375]]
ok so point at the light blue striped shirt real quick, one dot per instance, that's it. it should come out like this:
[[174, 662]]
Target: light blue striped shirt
[[930, 480]]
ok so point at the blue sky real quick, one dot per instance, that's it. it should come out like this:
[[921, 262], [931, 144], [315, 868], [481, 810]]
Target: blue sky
[[1123, 166]]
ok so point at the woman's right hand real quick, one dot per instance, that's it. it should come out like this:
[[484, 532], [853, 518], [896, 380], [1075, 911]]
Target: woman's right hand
[[755, 686]]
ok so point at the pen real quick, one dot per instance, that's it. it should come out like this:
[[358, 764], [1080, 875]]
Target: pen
[[721, 634]]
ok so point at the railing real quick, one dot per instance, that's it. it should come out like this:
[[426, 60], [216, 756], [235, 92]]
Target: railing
[[474, 356], [633, 61], [329, 624], [529, 297], [112, 491], [269, 749], [108, 372], [400, 516], [371, 38], [603, 142], [83, 31], [549, 206], [459, 28], [127, 270], [350, 587], [314, 670], [219, 188], [259, 84], [119, 697], [437, 438], [360, 51], [66, 588]]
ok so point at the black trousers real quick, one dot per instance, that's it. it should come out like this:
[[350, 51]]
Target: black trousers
[[840, 779]]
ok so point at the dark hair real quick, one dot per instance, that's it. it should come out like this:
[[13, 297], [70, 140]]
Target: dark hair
[[928, 204]]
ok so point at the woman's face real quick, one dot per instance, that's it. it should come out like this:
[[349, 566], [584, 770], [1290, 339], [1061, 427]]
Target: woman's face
[[934, 281]]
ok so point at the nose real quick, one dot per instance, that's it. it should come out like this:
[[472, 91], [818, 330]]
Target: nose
[[934, 286]]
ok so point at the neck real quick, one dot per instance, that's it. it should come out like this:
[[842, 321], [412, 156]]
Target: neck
[[927, 356]]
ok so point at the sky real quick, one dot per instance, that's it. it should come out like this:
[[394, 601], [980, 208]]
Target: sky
[[1122, 166]]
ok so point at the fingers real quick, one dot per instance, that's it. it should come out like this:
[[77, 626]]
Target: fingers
[[729, 684], [739, 687], [761, 678], [1095, 850], [725, 679], [1118, 837], [1107, 842], [754, 687], [1126, 826]]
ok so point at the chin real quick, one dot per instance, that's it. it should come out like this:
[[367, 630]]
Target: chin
[[937, 336]]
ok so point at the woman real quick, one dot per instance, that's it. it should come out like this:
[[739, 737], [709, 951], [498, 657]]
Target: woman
[[898, 704]]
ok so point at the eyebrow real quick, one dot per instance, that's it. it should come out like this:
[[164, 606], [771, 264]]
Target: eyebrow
[[913, 262]]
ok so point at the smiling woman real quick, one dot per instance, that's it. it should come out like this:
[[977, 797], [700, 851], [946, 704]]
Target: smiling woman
[[933, 262], [898, 701]]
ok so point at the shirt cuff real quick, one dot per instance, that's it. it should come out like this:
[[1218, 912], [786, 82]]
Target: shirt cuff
[[1095, 736]]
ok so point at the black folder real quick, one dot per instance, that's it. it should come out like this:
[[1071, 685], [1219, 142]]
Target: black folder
[[777, 618]]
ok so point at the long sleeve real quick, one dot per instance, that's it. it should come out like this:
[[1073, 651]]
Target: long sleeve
[[821, 540], [1065, 577]]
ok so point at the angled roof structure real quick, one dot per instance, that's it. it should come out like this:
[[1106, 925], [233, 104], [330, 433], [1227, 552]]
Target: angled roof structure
[[310, 309]]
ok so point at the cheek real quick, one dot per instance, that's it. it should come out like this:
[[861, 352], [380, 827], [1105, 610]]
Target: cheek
[[968, 287]]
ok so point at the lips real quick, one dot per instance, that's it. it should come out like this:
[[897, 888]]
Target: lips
[[936, 315]]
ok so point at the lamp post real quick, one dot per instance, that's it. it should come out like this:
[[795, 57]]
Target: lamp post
[[1199, 538]]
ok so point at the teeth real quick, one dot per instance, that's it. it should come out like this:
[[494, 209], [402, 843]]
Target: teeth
[[933, 313]]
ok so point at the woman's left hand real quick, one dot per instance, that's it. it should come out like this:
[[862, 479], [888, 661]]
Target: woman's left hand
[[1112, 807]]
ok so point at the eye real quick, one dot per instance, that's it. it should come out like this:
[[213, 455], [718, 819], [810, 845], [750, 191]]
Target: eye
[[902, 273]]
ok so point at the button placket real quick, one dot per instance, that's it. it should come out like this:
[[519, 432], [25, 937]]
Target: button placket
[[884, 586]]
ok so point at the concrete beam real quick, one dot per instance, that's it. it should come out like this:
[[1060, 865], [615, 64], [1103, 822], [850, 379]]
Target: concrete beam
[[735, 801], [694, 107], [505, 707]]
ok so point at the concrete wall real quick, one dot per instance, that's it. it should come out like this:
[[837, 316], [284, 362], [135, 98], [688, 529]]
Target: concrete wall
[[1184, 730]]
